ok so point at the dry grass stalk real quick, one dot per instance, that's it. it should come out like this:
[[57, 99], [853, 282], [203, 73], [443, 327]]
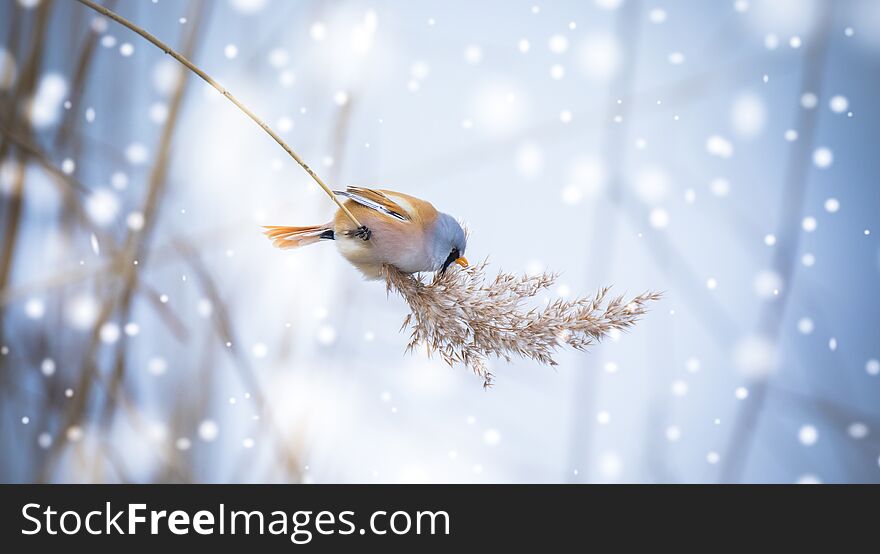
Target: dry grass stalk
[[184, 60], [467, 318]]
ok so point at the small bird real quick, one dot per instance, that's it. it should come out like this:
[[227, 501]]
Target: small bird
[[397, 229]]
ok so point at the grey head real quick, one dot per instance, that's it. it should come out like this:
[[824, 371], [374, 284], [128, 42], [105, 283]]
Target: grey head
[[448, 242]]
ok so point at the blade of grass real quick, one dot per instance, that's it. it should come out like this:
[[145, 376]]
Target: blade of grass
[[208, 79]]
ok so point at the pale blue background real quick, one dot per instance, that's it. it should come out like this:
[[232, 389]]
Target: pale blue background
[[346, 398]]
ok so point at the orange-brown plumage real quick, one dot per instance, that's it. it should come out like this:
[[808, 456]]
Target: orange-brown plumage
[[404, 231], [294, 237]]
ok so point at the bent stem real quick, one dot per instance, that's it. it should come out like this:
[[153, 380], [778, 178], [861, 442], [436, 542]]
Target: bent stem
[[222, 90]]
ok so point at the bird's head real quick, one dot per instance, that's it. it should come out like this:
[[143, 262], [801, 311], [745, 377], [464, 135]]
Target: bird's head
[[448, 243]]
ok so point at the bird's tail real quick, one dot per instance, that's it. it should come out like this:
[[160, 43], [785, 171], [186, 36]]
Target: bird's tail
[[295, 237]]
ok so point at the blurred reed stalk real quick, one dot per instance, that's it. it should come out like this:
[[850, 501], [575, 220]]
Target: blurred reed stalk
[[68, 142], [678, 94], [225, 332], [605, 225], [18, 114], [134, 249], [17, 111], [67, 130], [788, 235], [161, 254]]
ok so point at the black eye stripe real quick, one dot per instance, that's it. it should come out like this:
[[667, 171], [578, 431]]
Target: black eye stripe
[[454, 255]]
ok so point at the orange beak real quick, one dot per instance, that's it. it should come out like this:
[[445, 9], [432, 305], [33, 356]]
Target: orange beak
[[462, 261]]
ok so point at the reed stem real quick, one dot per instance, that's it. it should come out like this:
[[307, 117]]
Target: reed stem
[[222, 90]]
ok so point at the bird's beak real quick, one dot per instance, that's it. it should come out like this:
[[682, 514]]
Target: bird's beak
[[462, 261]]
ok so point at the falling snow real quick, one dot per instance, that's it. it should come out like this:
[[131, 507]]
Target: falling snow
[[625, 173]]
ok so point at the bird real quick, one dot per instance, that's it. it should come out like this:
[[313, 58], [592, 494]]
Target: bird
[[397, 229]]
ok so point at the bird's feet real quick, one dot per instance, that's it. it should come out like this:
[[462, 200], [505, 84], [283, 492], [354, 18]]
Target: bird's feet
[[363, 233]]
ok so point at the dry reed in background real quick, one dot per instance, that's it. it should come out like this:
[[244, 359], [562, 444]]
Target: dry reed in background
[[467, 317]]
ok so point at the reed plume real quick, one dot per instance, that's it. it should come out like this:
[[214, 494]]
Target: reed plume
[[466, 317]]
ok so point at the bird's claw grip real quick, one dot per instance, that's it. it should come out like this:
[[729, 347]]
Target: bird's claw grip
[[363, 233]]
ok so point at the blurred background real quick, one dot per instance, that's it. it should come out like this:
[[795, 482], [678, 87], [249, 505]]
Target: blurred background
[[724, 152]]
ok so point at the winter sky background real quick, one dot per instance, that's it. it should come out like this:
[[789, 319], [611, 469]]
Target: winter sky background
[[724, 152]]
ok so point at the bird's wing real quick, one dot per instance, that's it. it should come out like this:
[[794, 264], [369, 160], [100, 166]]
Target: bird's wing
[[375, 200]]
